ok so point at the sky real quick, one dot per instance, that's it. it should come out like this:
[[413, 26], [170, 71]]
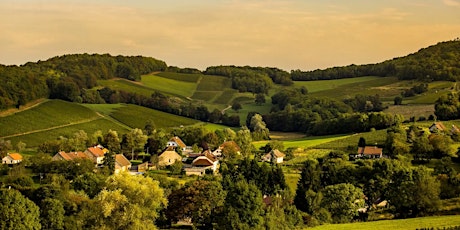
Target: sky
[[288, 34]]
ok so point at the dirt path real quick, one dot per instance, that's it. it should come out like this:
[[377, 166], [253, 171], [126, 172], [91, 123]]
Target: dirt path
[[55, 127], [228, 107]]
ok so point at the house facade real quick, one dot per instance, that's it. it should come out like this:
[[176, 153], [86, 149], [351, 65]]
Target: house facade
[[122, 164], [274, 156], [177, 143], [96, 154], [12, 158], [168, 157]]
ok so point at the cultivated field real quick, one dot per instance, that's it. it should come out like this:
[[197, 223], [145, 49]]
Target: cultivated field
[[322, 85], [434, 222], [169, 86], [126, 85], [136, 117], [53, 113], [38, 137], [181, 76]]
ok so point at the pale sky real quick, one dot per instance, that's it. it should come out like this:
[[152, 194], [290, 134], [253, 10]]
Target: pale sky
[[288, 34]]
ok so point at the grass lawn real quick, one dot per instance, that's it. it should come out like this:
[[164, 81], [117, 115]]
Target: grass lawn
[[402, 224]]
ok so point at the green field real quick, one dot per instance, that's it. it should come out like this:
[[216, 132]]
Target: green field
[[306, 142], [321, 85], [226, 97], [181, 76], [213, 83], [206, 95], [37, 138], [137, 116], [48, 114], [169, 86], [402, 224], [126, 85], [369, 86]]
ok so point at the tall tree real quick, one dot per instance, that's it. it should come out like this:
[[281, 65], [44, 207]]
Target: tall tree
[[112, 141], [129, 202], [52, 214], [18, 212], [342, 201], [199, 200], [414, 192], [243, 207]]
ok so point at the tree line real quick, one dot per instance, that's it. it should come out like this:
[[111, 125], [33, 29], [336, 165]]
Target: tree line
[[435, 63], [65, 77]]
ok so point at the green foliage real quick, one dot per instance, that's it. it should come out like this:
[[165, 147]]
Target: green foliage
[[52, 214], [18, 212], [200, 200], [130, 202], [408, 203], [342, 201], [447, 107], [243, 208], [437, 62]]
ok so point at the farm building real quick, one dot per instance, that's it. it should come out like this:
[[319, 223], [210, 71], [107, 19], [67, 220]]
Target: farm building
[[12, 158]]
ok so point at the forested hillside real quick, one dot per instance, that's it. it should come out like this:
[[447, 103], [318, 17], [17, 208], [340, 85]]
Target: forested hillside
[[434, 63], [66, 77]]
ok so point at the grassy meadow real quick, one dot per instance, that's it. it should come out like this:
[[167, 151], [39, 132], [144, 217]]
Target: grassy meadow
[[401, 224]]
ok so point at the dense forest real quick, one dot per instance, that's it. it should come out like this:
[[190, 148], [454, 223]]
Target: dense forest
[[434, 63]]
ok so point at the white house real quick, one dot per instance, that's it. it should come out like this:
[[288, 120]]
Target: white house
[[274, 156], [12, 158]]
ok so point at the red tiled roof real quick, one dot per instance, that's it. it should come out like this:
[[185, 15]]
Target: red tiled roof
[[370, 150], [15, 156], [178, 141], [72, 155], [121, 160], [96, 151]]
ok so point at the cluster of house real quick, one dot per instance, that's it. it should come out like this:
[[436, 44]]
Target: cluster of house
[[96, 154], [207, 160]]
